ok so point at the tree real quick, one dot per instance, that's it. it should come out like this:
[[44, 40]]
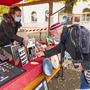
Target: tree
[[3, 9], [70, 8]]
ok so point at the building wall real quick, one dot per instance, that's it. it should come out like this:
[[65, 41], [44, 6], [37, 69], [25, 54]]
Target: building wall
[[40, 10], [80, 6]]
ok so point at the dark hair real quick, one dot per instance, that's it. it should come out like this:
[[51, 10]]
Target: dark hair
[[5, 15], [14, 9]]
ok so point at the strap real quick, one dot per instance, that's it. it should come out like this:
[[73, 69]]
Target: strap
[[76, 43]]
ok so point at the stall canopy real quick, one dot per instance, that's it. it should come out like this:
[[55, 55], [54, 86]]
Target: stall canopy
[[9, 2]]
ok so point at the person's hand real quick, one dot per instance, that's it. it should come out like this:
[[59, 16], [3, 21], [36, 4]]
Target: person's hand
[[79, 66], [39, 54], [17, 62], [25, 41], [10, 58]]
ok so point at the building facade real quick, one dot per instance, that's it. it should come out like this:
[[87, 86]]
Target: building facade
[[37, 15]]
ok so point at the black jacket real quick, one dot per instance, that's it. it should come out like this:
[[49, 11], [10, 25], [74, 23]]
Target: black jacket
[[70, 48], [8, 33]]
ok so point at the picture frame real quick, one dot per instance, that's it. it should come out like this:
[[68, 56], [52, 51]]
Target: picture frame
[[43, 85], [31, 49], [23, 55]]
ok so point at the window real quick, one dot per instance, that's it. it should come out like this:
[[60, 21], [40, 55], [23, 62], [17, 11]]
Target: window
[[86, 14], [77, 19], [46, 15], [34, 16]]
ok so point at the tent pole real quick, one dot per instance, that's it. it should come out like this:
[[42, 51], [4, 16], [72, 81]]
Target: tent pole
[[50, 13], [22, 13]]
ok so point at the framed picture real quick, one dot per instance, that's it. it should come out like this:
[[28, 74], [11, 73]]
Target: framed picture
[[42, 85], [14, 49], [23, 55]]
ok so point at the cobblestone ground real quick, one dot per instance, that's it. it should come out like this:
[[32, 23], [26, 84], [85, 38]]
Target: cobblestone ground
[[71, 82]]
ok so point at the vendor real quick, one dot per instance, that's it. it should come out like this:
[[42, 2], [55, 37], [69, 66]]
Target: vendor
[[9, 27]]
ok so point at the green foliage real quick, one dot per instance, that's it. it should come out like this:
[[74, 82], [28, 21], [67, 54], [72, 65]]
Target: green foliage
[[4, 9], [70, 8]]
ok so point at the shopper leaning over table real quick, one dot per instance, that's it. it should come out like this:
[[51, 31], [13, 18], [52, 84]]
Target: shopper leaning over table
[[70, 43]]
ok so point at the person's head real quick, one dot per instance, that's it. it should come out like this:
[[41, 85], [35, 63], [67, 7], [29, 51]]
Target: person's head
[[15, 12], [64, 20]]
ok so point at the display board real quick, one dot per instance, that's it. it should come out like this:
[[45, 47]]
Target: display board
[[9, 72]]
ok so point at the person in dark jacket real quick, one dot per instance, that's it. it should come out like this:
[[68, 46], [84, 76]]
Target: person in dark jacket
[[66, 39], [9, 28]]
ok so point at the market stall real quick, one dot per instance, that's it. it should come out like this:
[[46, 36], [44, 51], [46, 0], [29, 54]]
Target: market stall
[[32, 70], [29, 79], [26, 71]]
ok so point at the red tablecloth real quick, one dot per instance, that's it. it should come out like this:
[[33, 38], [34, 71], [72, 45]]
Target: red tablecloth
[[24, 79]]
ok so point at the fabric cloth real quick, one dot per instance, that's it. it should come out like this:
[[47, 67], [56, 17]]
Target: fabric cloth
[[83, 82], [87, 75], [9, 2], [55, 26]]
